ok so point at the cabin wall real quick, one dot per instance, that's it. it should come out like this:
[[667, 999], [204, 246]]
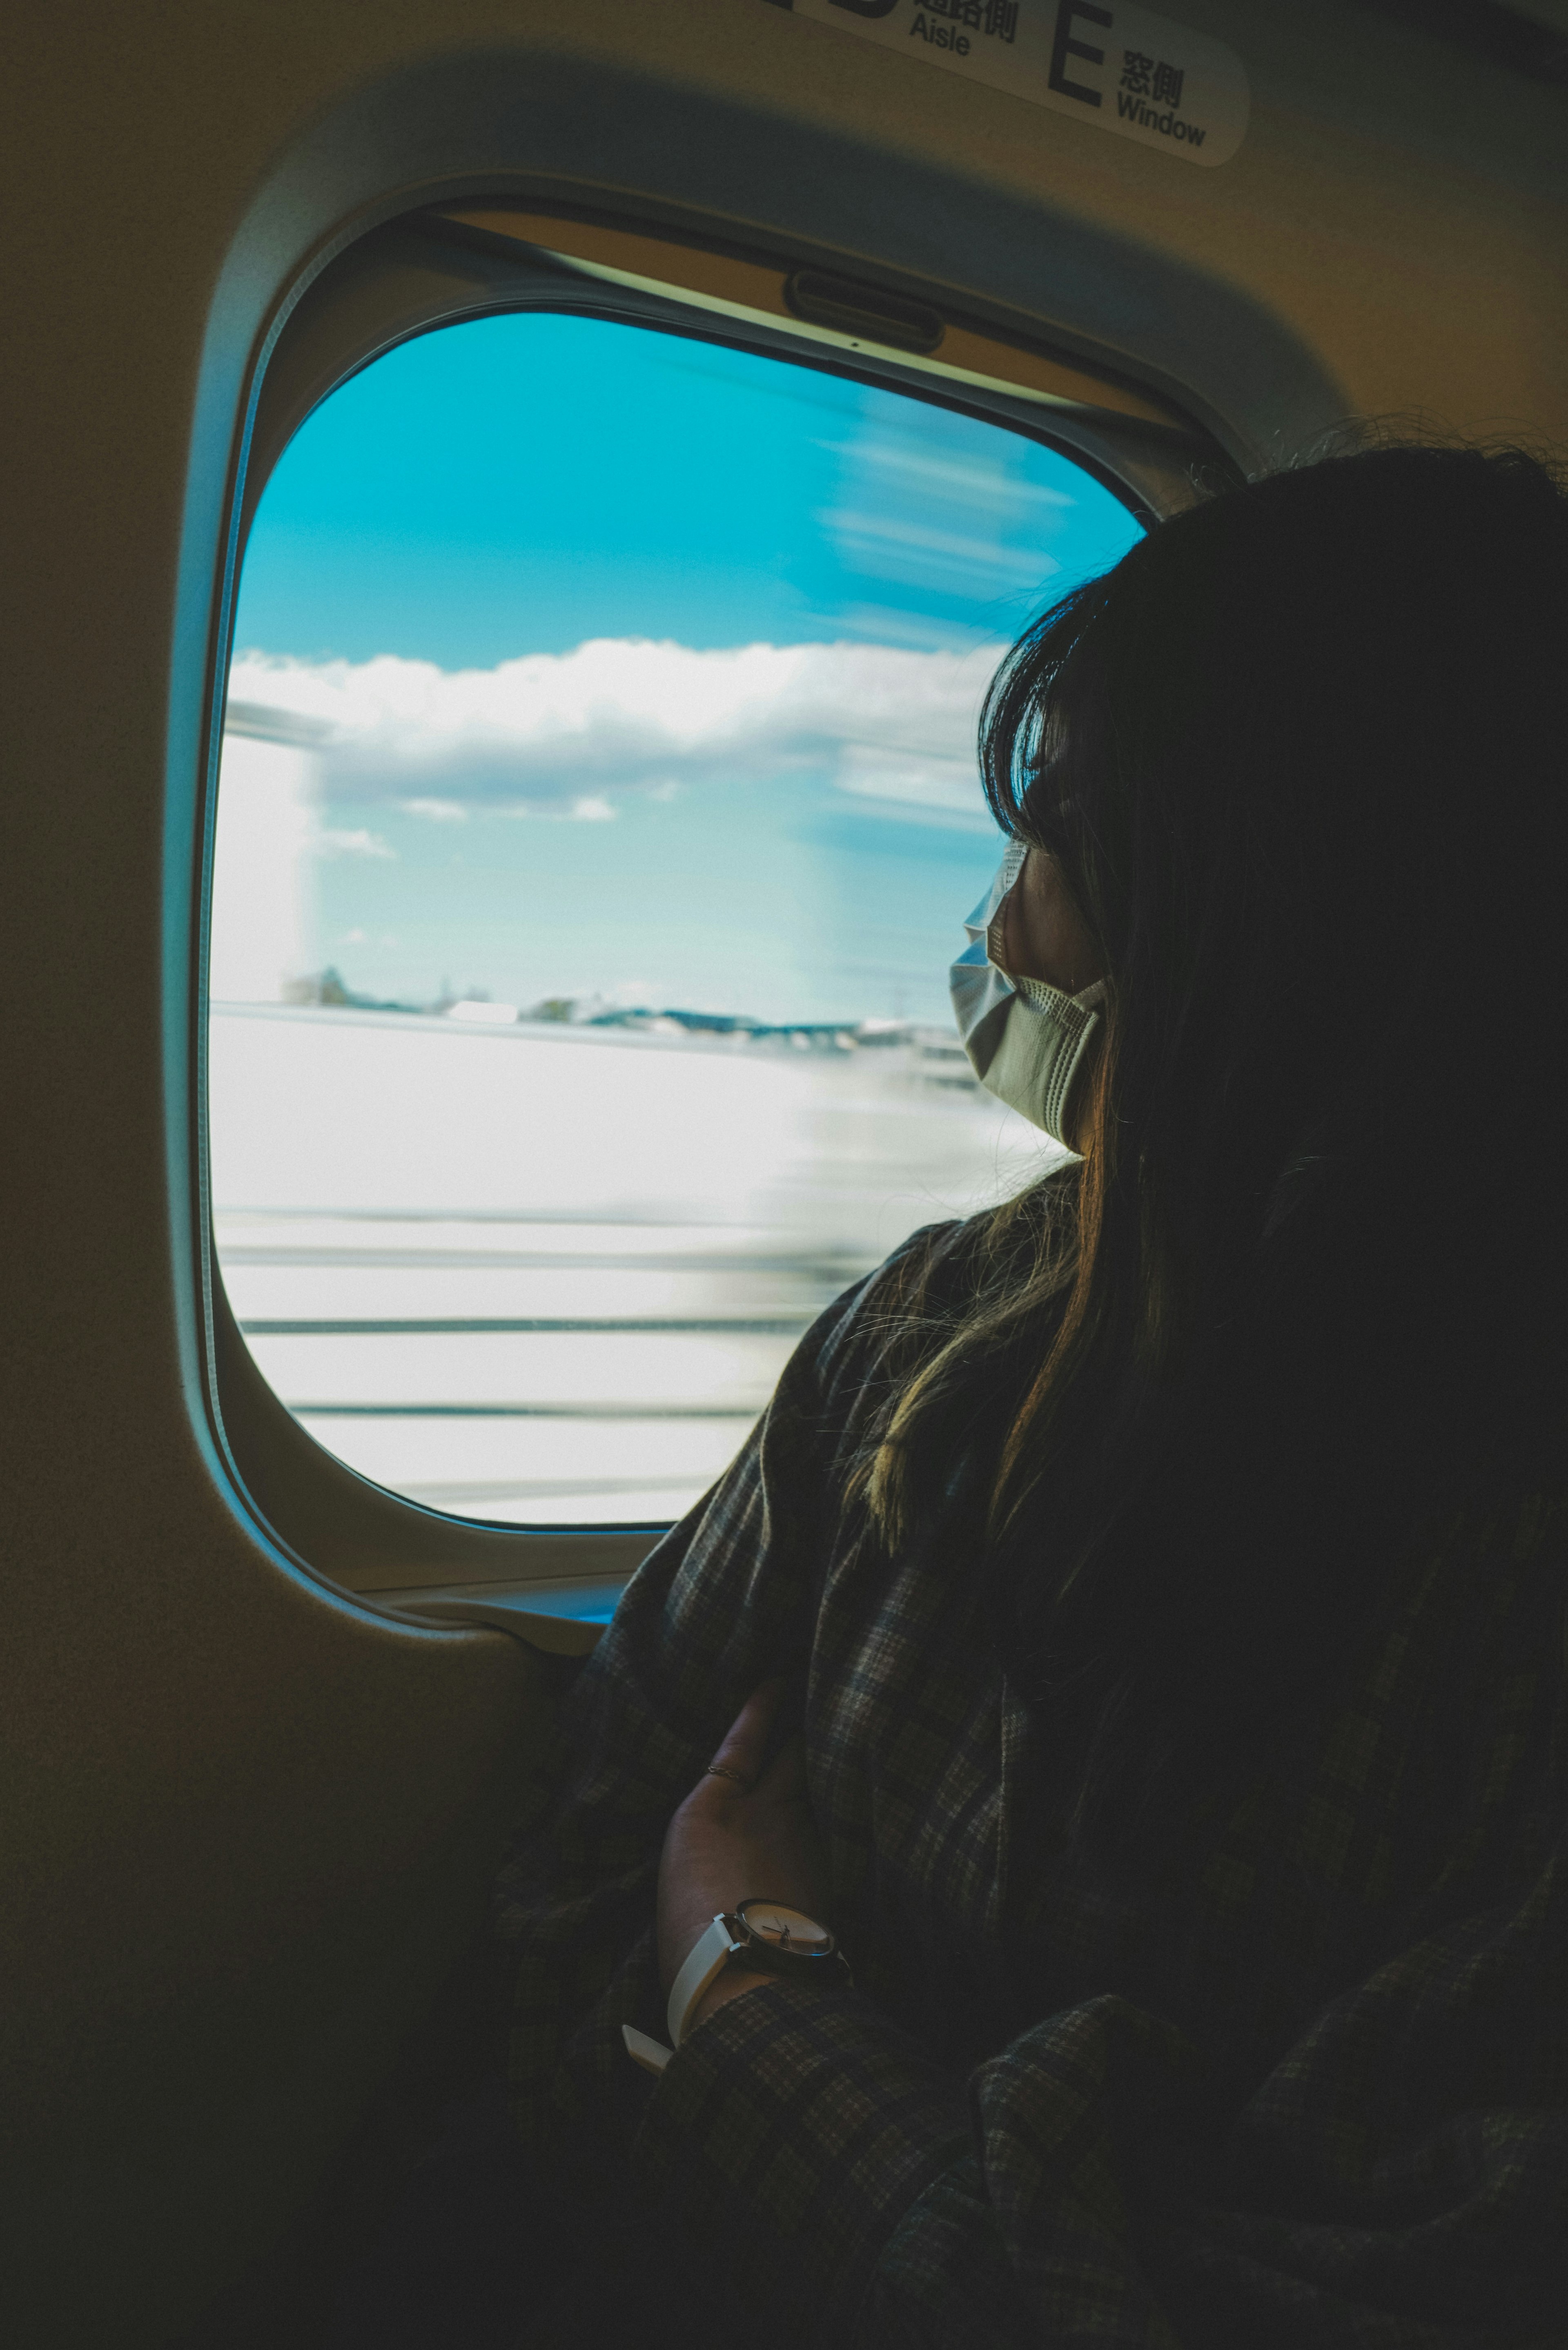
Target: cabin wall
[[245, 1823]]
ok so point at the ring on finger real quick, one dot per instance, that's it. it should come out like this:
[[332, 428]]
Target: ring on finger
[[722, 1771]]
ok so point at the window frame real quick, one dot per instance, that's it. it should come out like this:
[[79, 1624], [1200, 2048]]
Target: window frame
[[440, 267]]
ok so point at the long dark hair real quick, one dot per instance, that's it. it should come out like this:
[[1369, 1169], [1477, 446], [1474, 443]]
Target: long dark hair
[[1301, 758]]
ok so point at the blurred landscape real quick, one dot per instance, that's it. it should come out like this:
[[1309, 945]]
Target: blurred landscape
[[548, 1272]]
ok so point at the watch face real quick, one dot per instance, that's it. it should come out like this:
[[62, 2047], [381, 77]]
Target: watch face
[[786, 1930]]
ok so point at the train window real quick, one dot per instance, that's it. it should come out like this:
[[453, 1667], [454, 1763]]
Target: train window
[[597, 814]]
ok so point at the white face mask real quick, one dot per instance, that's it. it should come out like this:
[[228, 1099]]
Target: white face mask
[[1025, 1040]]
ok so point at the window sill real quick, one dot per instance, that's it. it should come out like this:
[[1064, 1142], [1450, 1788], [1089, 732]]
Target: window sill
[[562, 1619]]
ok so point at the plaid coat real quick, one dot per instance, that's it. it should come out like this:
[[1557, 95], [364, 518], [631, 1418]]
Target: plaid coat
[[1301, 2078]]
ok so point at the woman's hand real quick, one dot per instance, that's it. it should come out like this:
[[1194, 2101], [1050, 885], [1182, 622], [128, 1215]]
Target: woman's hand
[[744, 1832]]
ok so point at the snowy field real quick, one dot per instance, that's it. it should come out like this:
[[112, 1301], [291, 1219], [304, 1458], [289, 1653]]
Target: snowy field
[[549, 1276]]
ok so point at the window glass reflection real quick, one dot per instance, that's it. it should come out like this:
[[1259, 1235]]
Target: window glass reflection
[[597, 816]]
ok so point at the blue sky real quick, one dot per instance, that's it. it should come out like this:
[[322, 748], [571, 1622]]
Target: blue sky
[[796, 838]]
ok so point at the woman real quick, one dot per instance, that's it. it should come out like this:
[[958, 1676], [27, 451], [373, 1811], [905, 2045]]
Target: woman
[[1137, 1629]]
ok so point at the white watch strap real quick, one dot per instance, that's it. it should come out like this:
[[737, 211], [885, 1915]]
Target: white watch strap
[[651, 2055], [711, 1951], [707, 1955]]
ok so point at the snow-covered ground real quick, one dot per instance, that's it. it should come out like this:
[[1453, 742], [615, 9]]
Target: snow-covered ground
[[549, 1276]]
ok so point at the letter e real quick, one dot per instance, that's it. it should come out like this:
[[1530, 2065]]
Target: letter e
[[1066, 45]]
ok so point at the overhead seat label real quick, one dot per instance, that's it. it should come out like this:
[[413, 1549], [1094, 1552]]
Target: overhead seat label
[[1123, 69]]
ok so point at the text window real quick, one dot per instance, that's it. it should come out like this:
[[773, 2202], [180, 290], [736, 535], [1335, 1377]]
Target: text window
[[599, 813]]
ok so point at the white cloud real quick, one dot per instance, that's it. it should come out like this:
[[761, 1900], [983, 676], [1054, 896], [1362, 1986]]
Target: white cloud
[[327, 842], [566, 734], [984, 485], [872, 772], [894, 547], [437, 811]]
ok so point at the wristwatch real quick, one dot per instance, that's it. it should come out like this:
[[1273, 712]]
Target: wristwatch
[[770, 1936]]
